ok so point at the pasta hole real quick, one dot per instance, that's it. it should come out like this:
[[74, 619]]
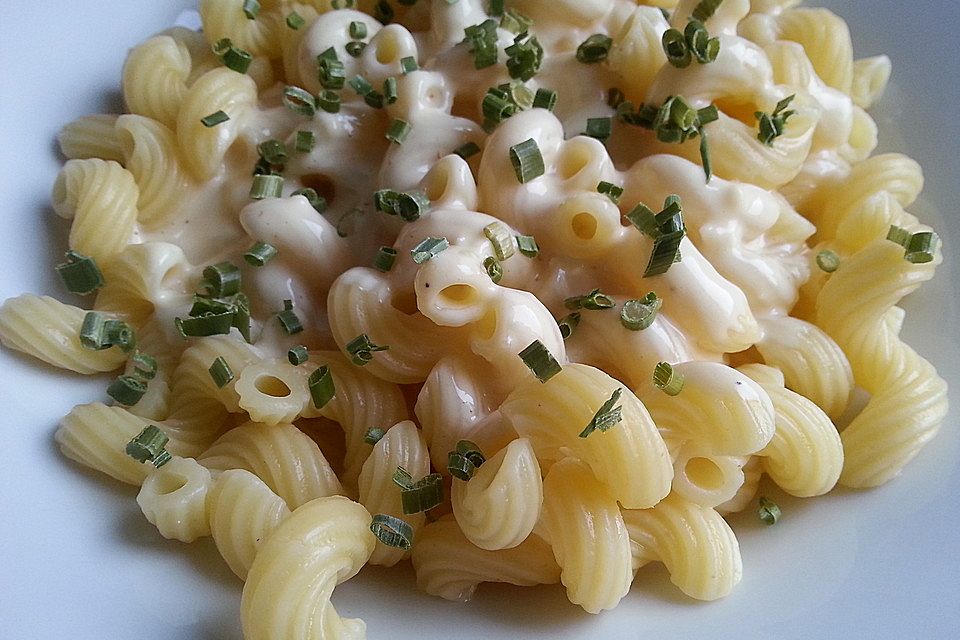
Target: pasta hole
[[739, 110], [437, 185], [576, 159], [272, 386], [320, 183], [459, 295], [388, 48], [487, 326], [704, 473], [405, 302], [167, 483], [584, 226]]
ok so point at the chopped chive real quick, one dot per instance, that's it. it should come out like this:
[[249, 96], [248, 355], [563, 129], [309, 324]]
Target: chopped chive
[[361, 85], [144, 366], [569, 324], [411, 205], [375, 99], [419, 496], [374, 435], [93, 333], [241, 316], [596, 300], [330, 73], [305, 141], [524, 57], [213, 324], [329, 53], [318, 202], [361, 349], [148, 445], [493, 268], [615, 97], [383, 12], [828, 261], [289, 319], [607, 416], [298, 355], [465, 460], [266, 186], [398, 131], [665, 228], [119, 333], [599, 128], [594, 49], [273, 151], [221, 372], [300, 101], [251, 8], [322, 388], [223, 279], [528, 246], [127, 390], [527, 160], [232, 57], [515, 22], [675, 46], [674, 122], [358, 30], [637, 315], [919, 248], [610, 190], [355, 47], [771, 126], [483, 43], [390, 93], [329, 101], [80, 274], [496, 7], [540, 361], [408, 64], [212, 120], [667, 379], [497, 107], [386, 257], [705, 9], [768, 511], [295, 20], [428, 248], [391, 531], [499, 236], [704, 48], [545, 99], [467, 150], [260, 254]]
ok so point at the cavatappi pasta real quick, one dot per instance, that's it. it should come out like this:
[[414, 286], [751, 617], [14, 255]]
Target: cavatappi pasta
[[519, 291]]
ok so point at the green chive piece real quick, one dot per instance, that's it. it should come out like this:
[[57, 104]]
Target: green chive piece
[[251, 8], [425, 494], [266, 186], [705, 9], [144, 366], [411, 205], [209, 325], [483, 43], [390, 93], [127, 390], [408, 64], [330, 73], [428, 248], [295, 21], [569, 324], [704, 48], [465, 460], [93, 332], [524, 57], [374, 435], [398, 131], [318, 202], [298, 355], [596, 300], [119, 333], [615, 97], [383, 12], [80, 274], [599, 128], [594, 49], [273, 151], [241, 316], [221, 372], [497, 107], [471, 451], [343, 4], [329, 101], [527, 160], [919, 248], [300, 101], [610, 190], [467, 150], [496, 7], [223, 278], [674, 122], [607, 416], [667, 379], [358, 30], [493, 268], [528, 246], [515, 22], [828, 261], [355, 47], [322, 388], [391, 531], [665, 228], [361, 349], [502, 240], [637, 315], [540, 361], [289, 319], [305, 141], [232, 57], [260, 254], [386, 258], [212, 120], [545, 99], [148, 445], [768, 511], [375, 99], [361, 85], [772, 125], [675, 46]]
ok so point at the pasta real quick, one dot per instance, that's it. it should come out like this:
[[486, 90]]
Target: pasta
[[387, 286]]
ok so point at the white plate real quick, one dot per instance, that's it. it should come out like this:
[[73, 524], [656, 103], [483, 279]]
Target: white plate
[[79, 561]]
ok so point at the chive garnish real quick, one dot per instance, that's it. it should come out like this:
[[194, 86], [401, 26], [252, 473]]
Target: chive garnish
[[540, 361], [251, 8], [322, 388], [288, 319], [409, 205], [361, 349], [374, 435], [421, 495], [828, 261], [330, 72], [428, 248], [637, 315], [607, 416], [361, 85], [569, 324], [207, 325], [772, 125], [212, 120], [385, 259], [465, 460], [149, 445], [241, 316], [499, 236], [398, 131], [694, 43], [496, 7], [665, 228], [705, 9], [615, 97], [318, 202], [329, 101], [545, 99], [524, 57], [493, 268], [221, 372], [144, 366], [273, 151], [305, 141], [121, 334], [526, 160], [467, 150], [358, 30], [295, 20], [390, 93], [127, 390], [80, 274], [599, 128], [95, 332], [232, 57], [298, 355], [768, 511], [594, 49], [391, 531], [483, 43], [266, 186], [408, 64], [667, 379], [299, 101], [528, 246], [515, 22], [596, 300], [383, 12], [223, 279], [260, 254], [919, 248], [674, 121], [610, 190], [355, 47]]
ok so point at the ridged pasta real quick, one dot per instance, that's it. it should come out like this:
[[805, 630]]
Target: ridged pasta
[[155, 79], [704, 478], [870, 77], [91, 137], [174, 499], [826, 39], [637, 53], [150, 155], [226, 19], [272, 391]]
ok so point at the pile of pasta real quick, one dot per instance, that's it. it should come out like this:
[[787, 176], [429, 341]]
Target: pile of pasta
[[436, 249]]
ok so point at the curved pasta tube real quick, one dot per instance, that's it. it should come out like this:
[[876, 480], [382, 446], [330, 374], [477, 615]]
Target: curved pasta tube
[[226, 19], [101, 198], [401, 446], [630, 459], [91, 137], [272, 391], [155, 77], [499, 506], [696, 545], [243, 512], [287, 592], [150, 154], [285, 458], [588, 536], [706, 479], [752, 471], [812, 363], [49, 330], [174, 499], [720, 409], [805, 455], [330, 29], [826, 39], [870, 77], [203, 148], [637, 51]]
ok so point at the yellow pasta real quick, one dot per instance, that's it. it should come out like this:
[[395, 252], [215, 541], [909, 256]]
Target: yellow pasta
[[91, 137], [174, 499], [155, 79]]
